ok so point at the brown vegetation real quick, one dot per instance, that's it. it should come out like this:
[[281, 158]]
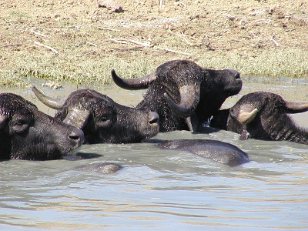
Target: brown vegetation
[[78, 41]]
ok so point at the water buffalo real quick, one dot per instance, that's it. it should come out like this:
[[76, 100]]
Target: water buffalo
[[215, 150], [26, 133], [101, 119], [183, 93], [263, 115]]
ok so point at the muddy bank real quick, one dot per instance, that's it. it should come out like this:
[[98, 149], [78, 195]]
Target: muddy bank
[[80, 42]]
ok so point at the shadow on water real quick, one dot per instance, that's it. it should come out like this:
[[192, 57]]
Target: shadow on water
[[81, 156]]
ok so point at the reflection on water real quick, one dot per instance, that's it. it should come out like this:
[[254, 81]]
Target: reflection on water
[[161, 189]]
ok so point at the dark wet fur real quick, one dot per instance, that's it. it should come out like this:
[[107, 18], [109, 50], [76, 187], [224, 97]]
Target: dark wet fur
[[102, 168], [271, 123], [215, 150], [27, 133], [215, 85], [128, 125]]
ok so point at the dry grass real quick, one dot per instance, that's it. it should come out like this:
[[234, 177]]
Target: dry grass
[[76, 41]]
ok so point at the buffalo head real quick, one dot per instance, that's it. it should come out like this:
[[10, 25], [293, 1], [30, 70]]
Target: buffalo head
[[183, 93], [27, 133], [263, 115], [101, 119]]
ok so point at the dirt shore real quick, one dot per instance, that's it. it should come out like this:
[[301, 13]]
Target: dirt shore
[[80, 42]]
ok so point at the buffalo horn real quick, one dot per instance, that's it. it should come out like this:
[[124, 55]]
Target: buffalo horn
[[133, 84], [48, 101], [245, 117], [190, 96], [296, 107], [189, 124], [77, 117]]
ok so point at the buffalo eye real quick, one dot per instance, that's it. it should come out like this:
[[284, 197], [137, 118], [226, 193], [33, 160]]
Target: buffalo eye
[[104, 121], [20, 125], [104, 118]]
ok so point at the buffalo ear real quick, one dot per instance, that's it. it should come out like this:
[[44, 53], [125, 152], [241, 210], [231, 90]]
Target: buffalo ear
[[3, 120]]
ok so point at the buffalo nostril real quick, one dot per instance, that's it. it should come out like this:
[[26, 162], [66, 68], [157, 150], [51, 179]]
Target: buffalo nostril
[[153, 118], [77, 136], [74, 137], [237, 76]]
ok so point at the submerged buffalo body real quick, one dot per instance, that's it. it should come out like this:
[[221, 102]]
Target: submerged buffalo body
[[183, 93], [27, 133], [215, 150], [101, 119], [101, 168], [263, 115]]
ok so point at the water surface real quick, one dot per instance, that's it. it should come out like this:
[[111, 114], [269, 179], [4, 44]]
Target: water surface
[[162, 189]]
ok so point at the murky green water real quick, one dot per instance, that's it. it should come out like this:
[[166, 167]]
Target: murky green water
[[162, 190]]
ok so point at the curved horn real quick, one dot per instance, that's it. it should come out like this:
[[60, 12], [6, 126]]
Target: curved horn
[[245, 117], [48, 101], [189, 124], [77, 117], [190, 96], [296, 107], [133, 84]]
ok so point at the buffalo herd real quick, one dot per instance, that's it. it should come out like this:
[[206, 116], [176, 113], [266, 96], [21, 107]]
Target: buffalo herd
[[180, 95]]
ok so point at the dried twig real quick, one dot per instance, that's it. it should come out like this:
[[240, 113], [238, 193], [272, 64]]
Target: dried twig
[[173, 51], [274, 41], [129, 49], [184, 38], [47, 47], [161, 3], [12, 45], [91, 44], [110, 5], [260, 22], [37, 33], [119, 41], [127, 41], [147, 45], [107, 28]]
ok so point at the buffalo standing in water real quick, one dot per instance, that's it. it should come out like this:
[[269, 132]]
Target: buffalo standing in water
[[101, 119], [26, 133], [263, 115], [184, 94]]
